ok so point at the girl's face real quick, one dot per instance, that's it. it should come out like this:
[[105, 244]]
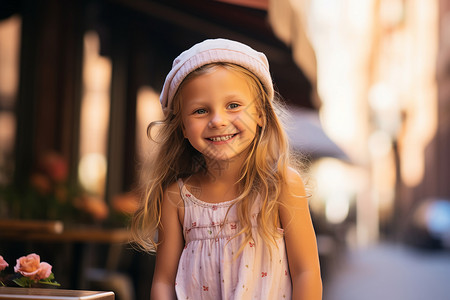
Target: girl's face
[[219, 114]]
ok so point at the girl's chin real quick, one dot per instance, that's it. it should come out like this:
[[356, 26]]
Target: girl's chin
[[223, 157]]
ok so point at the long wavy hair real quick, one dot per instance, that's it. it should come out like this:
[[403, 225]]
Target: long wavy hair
[[262, 174]]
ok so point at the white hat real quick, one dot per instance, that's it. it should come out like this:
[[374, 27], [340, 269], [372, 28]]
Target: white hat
[[215, 50]]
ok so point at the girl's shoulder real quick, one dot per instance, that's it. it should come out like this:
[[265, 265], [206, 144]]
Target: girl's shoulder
[[293, 185], [173, 195], [293, 176]]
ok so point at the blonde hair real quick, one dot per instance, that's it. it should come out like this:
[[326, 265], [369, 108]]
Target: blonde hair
[[262, 174]]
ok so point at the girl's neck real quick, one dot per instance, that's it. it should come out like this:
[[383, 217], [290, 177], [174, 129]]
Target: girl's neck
[[219, 182], [225, 171]]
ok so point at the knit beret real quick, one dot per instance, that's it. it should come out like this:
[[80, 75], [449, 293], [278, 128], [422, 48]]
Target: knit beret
[[215, 50]]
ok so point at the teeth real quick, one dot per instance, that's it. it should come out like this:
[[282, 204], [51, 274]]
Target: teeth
[[221, 138]]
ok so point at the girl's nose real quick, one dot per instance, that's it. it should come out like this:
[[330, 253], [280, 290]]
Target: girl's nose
[[217, 120]]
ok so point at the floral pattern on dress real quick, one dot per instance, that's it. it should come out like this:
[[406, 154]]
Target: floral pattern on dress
[[209, 268]]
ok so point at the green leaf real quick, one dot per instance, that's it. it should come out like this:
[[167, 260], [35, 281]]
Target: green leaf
[[50, 280], [52, 283], [23, 281], [51, 277]]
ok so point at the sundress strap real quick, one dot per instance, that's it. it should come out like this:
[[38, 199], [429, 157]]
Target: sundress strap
[[180, 184]]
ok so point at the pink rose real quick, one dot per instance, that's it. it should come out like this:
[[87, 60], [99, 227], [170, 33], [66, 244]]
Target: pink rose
[[126, 203], [28, 265], [55, 165], [3, 263], [41, 183], [31, 267], [93, 205], [44, 271]]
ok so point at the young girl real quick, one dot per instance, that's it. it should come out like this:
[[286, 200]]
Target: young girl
[[230, 213]]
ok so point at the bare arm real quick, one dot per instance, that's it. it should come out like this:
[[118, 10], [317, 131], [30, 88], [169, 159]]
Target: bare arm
[[300, 238], [169, 250]]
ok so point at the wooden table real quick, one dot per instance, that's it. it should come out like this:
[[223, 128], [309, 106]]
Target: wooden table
[[52, 294], [55, 231], [80, 237]]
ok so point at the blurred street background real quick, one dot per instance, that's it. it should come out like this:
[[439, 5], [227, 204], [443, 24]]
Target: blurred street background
[[389, 271], [367, 91]]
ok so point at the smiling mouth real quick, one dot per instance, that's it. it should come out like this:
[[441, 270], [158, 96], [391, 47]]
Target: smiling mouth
[[221, 138]]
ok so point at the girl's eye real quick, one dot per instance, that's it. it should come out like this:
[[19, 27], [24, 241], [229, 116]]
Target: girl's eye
[[200, 111], [233, 105]]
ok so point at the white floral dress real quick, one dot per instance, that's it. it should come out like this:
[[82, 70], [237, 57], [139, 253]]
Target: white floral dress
[[208, 267]]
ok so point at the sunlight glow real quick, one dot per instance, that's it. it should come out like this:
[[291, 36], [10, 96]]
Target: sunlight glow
[[95, 106], [10, 30], [92, 172], [9, 58], [148, 109], [339, 185]]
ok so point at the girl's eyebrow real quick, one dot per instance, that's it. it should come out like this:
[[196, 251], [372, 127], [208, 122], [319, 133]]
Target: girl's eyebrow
[[235, 97], [195, 102]]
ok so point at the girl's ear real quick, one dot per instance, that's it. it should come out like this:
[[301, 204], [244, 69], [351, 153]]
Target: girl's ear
[[260, 119]]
